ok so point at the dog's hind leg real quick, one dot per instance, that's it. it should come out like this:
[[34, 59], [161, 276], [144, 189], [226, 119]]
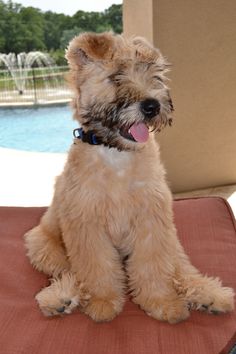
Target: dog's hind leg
[[162, 280], [45, 247], [62, 296], [166, 285], [202, 293]]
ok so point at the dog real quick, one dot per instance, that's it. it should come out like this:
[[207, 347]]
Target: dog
[[110, 229]]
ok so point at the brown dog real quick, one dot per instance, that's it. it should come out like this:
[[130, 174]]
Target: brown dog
[[110, 225]]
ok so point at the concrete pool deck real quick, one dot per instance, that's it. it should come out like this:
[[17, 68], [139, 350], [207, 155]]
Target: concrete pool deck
[[27, 179]]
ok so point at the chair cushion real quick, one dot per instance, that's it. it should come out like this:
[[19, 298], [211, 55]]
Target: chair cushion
[[207, 230]]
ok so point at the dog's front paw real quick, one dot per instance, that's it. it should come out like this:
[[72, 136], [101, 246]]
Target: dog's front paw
[[52, 306], [172, 310], [103, 309], [62, 296]]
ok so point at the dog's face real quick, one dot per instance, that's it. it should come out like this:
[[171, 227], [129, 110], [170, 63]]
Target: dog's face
[[120, 88]]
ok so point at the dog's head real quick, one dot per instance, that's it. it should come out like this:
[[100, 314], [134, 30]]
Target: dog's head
[[120, 88]]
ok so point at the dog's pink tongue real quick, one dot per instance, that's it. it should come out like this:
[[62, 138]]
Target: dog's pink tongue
[[139, 132]]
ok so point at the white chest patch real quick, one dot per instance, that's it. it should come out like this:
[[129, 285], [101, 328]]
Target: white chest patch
[[118, 160]]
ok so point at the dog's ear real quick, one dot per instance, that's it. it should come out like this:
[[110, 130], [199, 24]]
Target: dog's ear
[[145, 51], [88, 47]]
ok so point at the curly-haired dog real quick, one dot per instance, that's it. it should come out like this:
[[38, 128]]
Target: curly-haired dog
[[110, 226]]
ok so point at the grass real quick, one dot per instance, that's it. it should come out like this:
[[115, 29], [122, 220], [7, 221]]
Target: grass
[[34, 78]]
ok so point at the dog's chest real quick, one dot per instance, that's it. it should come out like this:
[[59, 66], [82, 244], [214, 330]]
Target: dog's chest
[[107, 187], [114, 160], [120, 174], [123, 186]]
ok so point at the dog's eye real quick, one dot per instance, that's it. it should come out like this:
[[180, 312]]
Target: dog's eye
[[157, 78], [113, 77], [116, 77]]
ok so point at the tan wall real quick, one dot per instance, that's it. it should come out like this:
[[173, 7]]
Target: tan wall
[[138, 18], [199, 38]]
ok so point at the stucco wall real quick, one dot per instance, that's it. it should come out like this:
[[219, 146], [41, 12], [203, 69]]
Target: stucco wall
[[199, 39]]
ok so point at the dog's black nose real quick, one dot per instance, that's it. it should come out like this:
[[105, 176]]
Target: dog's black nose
[[150, 107]]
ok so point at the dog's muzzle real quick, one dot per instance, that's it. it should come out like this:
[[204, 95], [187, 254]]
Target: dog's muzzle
[[150, 108]]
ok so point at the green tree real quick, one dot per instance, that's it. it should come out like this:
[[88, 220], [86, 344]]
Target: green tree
[[67, 36], [55, 24], [90, 21], [2, 26], [33, 21], [28, 28], [14, 29], [21, 29], [58, 56], [113, 16]]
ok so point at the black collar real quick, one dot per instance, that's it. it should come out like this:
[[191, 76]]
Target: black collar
[[87, 137], [90, 138]]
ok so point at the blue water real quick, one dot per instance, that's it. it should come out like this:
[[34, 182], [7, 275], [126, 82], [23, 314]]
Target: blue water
[[47, 129]]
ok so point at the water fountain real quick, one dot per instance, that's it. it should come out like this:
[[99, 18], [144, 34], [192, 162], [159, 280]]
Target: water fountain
[[19, 65], [33, 76]]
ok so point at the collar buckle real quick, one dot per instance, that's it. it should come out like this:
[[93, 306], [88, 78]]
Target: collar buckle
[[87, 137]]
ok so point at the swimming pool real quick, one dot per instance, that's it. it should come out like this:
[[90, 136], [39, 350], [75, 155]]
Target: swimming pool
[[44, 129]]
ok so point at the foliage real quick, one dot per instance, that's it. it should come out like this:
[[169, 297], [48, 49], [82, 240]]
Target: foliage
[[58, 56], [23, 29], [113, 17], [67, 35]]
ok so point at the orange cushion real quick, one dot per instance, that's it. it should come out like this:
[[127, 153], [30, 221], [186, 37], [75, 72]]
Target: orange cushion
[[207, 231]]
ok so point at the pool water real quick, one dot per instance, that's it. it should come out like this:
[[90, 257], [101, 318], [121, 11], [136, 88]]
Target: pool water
[[46, 129]]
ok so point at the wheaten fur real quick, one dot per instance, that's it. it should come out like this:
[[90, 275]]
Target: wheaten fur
[[109, 229]]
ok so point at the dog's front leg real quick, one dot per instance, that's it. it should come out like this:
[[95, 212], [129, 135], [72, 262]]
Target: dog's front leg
[[151, 268], [97, 264], [95, 282]]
